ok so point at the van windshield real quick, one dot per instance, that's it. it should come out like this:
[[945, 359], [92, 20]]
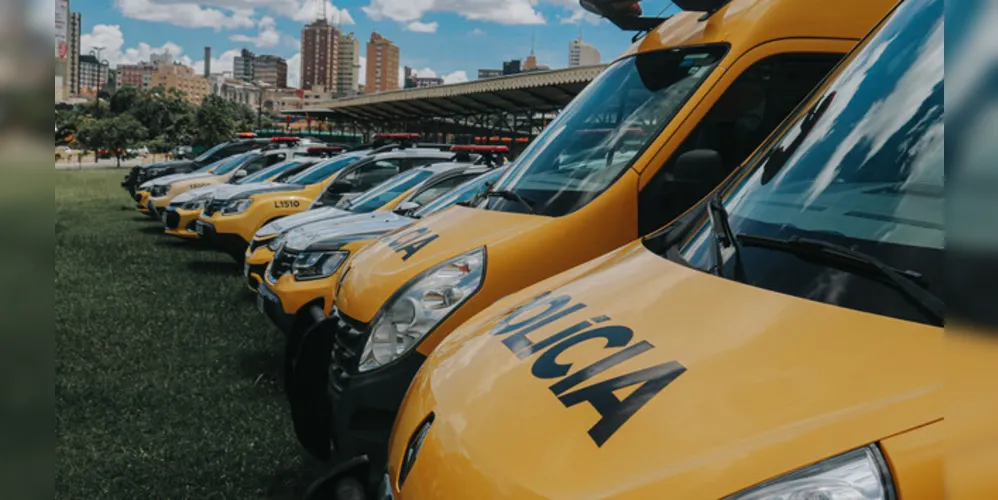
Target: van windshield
[[270, 172], [323, 171], [233, 162], [462, 193], [220, 164], [387, 191], [207, 154], [606, 127], [861, 168]]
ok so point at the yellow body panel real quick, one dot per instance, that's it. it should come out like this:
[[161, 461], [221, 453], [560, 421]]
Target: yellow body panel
[[260, 256], [296, 294], [140, 205], [771, 383], [265, 208], [186, 217], [524, 249]]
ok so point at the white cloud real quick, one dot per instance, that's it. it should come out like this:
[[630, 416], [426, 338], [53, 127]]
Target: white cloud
[[294, 71], [188, 15], [456, 77], [579, 16], [292, 42], [110, 38], [267, 37], [306, 11], [506, 12], [421, 27], [362, 78], [425, 73], [476, 32]]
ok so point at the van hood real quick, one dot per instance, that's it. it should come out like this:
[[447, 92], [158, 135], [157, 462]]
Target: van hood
[[729, 385], [332, 234], [299, 219], [388, 264], [203, 192], [170, 164], [258, 188]]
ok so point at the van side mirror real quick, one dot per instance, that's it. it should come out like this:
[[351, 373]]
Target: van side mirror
[[339, 187], [239, 174], [701, 167], [406, 207]]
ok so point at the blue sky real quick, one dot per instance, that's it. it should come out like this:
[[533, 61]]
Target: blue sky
[[441, 37]]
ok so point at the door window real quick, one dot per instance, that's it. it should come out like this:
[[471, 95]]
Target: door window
[[758, 100], [435, 191]]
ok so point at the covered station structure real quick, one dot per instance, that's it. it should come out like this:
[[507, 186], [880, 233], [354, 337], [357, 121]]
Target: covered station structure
[[516, 106]]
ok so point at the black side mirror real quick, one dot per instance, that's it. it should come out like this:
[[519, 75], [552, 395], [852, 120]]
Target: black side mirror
[[339, 187], [701, 167]]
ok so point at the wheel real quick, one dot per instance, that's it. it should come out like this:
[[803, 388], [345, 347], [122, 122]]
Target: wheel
[[337, 488]]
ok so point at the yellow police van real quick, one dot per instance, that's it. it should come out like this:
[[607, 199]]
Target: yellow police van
[[718, 76], [184, 209], [781, 340]]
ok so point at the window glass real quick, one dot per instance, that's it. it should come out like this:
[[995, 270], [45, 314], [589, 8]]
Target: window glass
[[435, 191], [322, 171], [387, 191], [602, 131], [461, 194]]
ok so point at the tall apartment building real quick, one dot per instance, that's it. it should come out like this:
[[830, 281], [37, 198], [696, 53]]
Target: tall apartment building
[[73, 52], [271, 70], [511, 67], [134, 74], [244, 65], [179, 76], [382, 65], [91, 74], [348, 74], [319, 51], [582, 54]]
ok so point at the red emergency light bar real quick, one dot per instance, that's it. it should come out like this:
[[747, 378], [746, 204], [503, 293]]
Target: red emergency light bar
[[397, 136], [285, 139], [468, 148], [246, 135], [522, 140], [318, 149]]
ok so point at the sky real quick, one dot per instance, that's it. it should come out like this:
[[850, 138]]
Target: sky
[[451, 39]]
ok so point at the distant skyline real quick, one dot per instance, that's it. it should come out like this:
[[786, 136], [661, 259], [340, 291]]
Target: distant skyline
[[451, 39]]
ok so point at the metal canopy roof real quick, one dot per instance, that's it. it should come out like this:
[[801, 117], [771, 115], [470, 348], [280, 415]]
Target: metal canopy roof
[[540, 91]]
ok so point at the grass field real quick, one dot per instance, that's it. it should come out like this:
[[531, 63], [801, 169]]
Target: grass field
[[166, 375]]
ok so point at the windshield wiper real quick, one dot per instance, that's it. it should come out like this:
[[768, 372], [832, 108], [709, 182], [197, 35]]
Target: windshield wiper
[[910, 283], [509, 195], [724, 237]]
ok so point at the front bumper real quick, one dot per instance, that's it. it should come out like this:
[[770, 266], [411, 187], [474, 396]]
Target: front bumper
[[256, 260], [335, 407], [141, 201], [269, 303], [232, 244], [181, 223]]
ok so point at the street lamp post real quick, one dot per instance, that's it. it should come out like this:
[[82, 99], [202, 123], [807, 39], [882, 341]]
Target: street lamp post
[[102, 65]]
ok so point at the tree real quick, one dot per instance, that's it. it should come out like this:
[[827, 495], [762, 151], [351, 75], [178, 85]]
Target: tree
[[215, 121], [125, 99], [116, 133]]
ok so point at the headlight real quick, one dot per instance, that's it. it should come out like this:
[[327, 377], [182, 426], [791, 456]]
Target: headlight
[[275, 244], [421, 305], [857, 475], [317, 265], [236, 206], [193, 204], [160, 190]]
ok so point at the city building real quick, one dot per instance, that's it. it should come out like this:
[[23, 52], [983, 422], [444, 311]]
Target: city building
[[165, 58], [511, 67], [92, 74], [489, 73], [207, 62], [582, 54], [271, 71], [348, 74], [277, 100], [414, 81], [244, 65], [73, 52], [316, 94], [179, 76], [382, 65], [62, 84], [235, 90], [139, 75], [531, 64], [319, 51]]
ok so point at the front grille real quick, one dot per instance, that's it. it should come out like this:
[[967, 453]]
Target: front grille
[[192, 226], [348, 345], [172, 220], [213, 206], [281, 265]]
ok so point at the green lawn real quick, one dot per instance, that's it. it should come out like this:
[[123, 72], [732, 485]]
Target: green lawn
[[166, 375]]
